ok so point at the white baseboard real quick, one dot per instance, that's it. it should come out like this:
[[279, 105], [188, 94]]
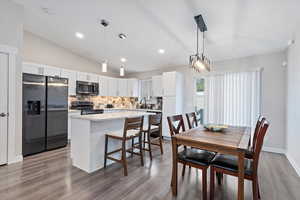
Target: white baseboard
[[293, 163], [274, 150], [18, 158]]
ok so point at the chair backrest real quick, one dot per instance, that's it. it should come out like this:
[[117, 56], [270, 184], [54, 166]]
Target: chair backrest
[[133, 123], [155, 120], [176, 124], [262, 130], [192, 120], [259, 123]]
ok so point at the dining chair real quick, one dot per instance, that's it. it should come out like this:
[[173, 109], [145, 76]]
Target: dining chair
[[132, 129], [228, 164], [196, 158], [191, 120], [153, 133], [249, 153]]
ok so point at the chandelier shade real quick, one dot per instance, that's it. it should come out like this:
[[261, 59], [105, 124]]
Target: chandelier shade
[[199, 62]]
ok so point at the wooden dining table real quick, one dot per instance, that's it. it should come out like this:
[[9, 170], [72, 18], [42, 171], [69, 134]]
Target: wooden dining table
[[233, 141]]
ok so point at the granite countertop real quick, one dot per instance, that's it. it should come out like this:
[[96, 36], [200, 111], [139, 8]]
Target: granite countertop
[[74, 111], [132, 109], [111, 116]]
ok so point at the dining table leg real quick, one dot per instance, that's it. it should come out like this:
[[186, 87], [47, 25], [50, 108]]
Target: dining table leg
[[241, 157], [175, 166]]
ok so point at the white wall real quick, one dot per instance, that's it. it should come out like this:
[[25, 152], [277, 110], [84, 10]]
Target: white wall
[[42, 51], [273, 90], [293, 104], [11, 34]]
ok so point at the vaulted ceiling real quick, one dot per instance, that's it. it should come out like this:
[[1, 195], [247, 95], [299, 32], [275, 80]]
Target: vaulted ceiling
[[236, 28]]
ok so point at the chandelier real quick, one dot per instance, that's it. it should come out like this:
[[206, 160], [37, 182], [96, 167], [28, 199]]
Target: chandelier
[[199, 62]]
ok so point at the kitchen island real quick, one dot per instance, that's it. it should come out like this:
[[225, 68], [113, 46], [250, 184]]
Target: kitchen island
[[88, 137]]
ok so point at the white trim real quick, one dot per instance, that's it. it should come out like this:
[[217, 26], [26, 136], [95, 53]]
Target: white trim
[[11, 139], [11, 156], [16, 159], [293, 163], [8, 49], [274, 150]]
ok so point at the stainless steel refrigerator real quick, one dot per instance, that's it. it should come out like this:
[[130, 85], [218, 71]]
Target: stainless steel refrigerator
[[45, 113]]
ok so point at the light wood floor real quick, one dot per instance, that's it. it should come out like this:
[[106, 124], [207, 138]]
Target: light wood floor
[[50, 176]]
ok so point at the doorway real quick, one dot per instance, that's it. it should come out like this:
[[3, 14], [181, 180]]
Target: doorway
[[3, 107]]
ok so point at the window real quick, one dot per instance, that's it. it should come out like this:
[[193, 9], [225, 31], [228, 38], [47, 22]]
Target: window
[[200, 99]]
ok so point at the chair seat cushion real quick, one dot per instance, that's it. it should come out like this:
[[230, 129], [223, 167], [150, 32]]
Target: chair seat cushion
[[119, 134], [196, 156], [230, 162]]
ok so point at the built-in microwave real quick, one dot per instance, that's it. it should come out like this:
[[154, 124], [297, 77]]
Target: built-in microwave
[[87, 88]]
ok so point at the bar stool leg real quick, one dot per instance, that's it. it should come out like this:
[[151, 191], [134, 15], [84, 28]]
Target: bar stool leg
[[141, 149], [105, 150], [161, 144], [124, 162], [149, 145]]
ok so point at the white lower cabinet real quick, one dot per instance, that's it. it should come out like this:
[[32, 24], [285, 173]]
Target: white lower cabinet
[[70, 114]]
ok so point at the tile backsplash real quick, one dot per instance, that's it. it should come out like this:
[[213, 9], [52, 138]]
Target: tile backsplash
[[102, 101]]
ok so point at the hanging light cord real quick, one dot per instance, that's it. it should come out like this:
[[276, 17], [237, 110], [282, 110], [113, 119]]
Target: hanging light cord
[[197, 40], [203, 44]]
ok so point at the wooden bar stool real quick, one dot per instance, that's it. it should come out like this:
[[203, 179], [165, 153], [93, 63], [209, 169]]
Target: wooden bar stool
[[132, 129], [153, 133]]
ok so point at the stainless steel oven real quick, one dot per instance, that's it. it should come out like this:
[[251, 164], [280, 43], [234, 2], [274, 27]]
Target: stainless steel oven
[[87, 88]]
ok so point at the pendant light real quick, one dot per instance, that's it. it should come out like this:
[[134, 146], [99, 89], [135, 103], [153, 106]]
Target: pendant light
[[198, 62], [105, 24], [122, 36], [104, 66], [122, 71]]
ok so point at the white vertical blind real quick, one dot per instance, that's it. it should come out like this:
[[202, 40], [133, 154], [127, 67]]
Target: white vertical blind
[[233, 98]]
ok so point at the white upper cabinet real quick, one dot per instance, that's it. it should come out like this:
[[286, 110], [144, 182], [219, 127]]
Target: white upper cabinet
[[103, 86], [92, 78], [87, 77], [157, 86], [82, 76], [32, 68], [52, 71], [122, 87], [169, 83], [132, 88], [72, 77], [146, 88], [112, 87]]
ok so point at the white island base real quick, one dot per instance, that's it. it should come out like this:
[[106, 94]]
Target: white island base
[[88, 138]]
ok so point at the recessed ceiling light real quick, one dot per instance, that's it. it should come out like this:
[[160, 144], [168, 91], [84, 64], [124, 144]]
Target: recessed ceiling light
[[123, 60], [161, 51], [48, 11], [122, 36], [79, 35]]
